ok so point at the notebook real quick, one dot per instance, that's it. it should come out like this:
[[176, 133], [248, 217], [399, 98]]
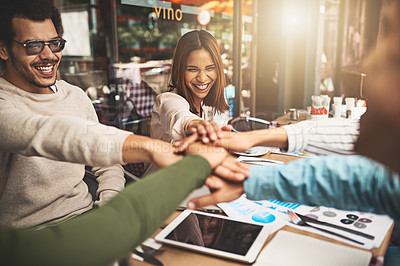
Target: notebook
[[287, 248]]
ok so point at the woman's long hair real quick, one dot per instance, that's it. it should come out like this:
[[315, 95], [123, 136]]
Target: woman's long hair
[[189, 42]]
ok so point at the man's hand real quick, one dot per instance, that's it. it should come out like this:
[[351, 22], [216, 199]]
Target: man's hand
[[232, 170], [221, 191], [226, 182], [214, 155], [143, 149], [163, 154], [181, 145], [223, 164]]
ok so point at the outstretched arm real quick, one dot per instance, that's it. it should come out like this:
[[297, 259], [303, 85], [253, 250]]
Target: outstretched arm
[[343, 182], [242, 141], [144, 149], [103, 235], [222, 190]]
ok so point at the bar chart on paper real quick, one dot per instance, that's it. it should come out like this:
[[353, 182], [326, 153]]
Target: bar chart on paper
[[278, 205]]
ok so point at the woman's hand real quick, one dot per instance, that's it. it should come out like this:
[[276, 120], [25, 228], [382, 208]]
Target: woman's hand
[[208, 131], [232, 141], [200, 126], [238, 141], [199, 130]]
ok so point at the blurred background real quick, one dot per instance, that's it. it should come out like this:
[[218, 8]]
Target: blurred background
[[277, 53]]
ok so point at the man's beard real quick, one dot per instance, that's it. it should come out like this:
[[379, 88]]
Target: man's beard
[[25, 72]]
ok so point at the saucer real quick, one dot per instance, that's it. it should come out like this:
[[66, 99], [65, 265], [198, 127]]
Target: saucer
[[256, 151]]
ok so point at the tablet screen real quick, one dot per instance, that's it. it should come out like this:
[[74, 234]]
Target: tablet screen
[[216, 233]]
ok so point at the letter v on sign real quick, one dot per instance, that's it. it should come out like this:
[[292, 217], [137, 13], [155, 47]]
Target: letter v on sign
[[158, 11]]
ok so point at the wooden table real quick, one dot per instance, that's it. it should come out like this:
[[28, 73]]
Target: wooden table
[[176, 256]]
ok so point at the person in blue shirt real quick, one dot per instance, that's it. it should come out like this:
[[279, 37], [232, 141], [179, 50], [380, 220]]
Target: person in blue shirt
[[365, 182], [344, 182]]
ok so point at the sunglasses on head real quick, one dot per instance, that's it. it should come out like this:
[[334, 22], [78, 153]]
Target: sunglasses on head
[[36, 47]]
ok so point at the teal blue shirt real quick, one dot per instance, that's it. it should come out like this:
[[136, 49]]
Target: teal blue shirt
[[343, 182]]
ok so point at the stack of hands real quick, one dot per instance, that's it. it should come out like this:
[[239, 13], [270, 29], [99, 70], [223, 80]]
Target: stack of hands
[[207, 139], [211, 142]]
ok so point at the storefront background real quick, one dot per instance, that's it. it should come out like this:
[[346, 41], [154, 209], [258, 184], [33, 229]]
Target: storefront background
[[119, 51]]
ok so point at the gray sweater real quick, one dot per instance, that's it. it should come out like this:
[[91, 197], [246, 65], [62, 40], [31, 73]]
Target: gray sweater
[[45, 142]]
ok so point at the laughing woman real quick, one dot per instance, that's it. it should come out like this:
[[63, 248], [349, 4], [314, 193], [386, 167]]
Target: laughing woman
[[197, 82]]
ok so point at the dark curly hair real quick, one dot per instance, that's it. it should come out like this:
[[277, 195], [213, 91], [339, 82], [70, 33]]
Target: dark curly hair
[[37, 10]]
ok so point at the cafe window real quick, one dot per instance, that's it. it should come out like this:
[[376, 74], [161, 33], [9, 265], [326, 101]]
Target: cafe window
[[148, 32], [86, 57], [120, 51]]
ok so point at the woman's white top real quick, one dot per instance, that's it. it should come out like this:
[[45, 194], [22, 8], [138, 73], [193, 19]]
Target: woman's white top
[[170, 114]]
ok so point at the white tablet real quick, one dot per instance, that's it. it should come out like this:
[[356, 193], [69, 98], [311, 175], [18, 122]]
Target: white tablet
[[215, 235]]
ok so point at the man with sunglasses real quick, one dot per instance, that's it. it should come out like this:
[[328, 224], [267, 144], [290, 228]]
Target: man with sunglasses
[[33, 189], [49, 130]]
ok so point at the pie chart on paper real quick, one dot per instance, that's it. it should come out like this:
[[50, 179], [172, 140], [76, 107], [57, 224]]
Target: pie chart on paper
[[263, 217]]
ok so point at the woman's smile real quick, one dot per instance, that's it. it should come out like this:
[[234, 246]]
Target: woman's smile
[[200, 74], [202, 87]]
